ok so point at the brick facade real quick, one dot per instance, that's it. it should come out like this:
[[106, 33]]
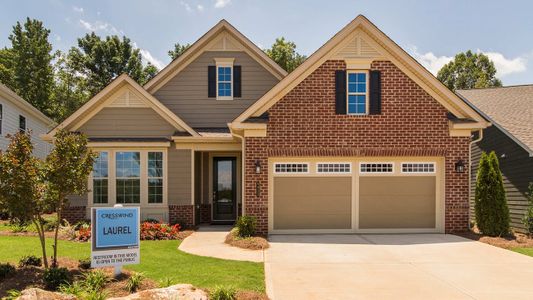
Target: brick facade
[[411, 123], [205, 213], [181, 214], [74, 214]]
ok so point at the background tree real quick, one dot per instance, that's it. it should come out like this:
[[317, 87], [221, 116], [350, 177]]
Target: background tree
[[21, 185], [66, 173], [492, 213], [468, 71], [284, 54], [99, 61], [26, 67], [178, 50]]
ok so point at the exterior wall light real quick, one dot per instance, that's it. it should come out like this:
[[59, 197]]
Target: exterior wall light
[[459, 166], [257, 166]]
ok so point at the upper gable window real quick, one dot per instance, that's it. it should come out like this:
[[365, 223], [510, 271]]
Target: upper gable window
[[22, 123], [224, 78], [357, 92]]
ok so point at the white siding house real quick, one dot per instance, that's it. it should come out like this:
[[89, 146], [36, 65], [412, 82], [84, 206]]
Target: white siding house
[[17, 114]]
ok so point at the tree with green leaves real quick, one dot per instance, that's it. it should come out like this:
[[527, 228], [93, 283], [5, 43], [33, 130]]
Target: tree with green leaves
[[66, 172], [468, 71], [527, 220], [284, 53], [22, 185], [492, 212], [178, 50], [99, 61], [26, 67]]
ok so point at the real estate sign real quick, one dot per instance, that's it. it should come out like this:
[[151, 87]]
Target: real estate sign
[[115, 236]]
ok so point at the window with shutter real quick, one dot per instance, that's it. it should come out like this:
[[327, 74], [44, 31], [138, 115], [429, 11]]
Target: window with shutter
[[357, 92]]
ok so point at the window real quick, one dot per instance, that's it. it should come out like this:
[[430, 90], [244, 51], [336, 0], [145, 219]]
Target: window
[[357, 92], [100, 178], [424, 167], [1, 116], [155, 177], [224, 82], [128, 172], [291, 168], [376, 168], [22, 123], [334, 168]]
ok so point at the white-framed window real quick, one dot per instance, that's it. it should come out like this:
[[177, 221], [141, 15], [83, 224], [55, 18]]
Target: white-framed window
[[155, 177], [376, 167], [418, 167], [1, 117], [224, 78], [128, 177], [334, 168], [291, 168], [357, 92], [101, 178], [22, 123]]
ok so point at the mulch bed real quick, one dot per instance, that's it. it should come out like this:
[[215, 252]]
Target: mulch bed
[[515, 240], [250, 295], [250, 243]]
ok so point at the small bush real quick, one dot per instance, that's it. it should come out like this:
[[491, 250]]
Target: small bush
[[18, 227], [166, 282], [246, 226], [223, 293], [95, 295], [150, 220], [30, 260], [95, 280], [134, 282], [528, 218], [49, 223], [159, 231], [84, 263], [12, 295], [54, 277], [77, 289], [6, 269]]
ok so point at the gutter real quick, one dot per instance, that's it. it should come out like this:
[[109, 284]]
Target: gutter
[[470, 172]]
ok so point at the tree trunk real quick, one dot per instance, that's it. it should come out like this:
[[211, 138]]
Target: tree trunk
[[40, 232], [59, 211]]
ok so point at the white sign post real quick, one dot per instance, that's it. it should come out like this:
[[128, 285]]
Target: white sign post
[[115, 237]]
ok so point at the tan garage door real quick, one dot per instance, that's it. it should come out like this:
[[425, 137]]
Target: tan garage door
[[397, 202], [312, 202]]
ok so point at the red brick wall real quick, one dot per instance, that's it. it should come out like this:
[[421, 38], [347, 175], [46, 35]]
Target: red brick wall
[[205, 213], [412, 123], [74, 214], [181, 214]]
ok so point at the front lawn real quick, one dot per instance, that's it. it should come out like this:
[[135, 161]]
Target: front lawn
[[526, 251], [159, 260]]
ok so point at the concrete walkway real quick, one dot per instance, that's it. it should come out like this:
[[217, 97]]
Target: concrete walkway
[[403, 266], [209, 241]]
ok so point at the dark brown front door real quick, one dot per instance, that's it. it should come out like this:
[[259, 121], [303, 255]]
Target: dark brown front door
[[224, 189]]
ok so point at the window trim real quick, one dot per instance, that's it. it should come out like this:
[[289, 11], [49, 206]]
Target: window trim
[[22, 117], [366, 94], [1, 117], [225, 62], [418, 162], [117, 178], [333, 163], [105, 178], [289, 163], [162, 177]]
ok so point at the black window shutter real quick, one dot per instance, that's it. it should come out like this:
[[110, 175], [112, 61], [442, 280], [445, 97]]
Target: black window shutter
[[340, 92], [236, 81], [375, 93], [211, 81]]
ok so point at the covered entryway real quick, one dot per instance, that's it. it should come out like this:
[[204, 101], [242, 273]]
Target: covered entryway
[[366, 195]]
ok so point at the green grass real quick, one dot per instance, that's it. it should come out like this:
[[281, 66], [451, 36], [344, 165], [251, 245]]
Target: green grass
[[526, 251], [159, 260]]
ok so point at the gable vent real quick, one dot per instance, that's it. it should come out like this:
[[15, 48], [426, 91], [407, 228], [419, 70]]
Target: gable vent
[[127, 99]]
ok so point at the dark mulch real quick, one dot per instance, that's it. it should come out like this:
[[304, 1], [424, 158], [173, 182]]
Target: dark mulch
[[515, 240], [250, 243]]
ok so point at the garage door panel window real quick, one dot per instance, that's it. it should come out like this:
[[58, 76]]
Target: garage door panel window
[[334, 168], [376, 168], [412, 167], [291, 168]]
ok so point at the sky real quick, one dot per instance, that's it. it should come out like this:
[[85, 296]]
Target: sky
[[431, 31]]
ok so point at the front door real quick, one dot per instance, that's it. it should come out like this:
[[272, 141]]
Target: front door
[[224, 189]]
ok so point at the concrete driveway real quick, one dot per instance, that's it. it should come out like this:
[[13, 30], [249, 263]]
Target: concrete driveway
[[402, 266]]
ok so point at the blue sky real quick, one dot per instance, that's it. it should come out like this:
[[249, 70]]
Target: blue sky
[[431, 31]]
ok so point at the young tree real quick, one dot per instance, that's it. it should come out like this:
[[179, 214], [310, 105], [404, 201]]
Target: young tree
[[468, 71], [178, 50], [492, 213], [21, 185], [284, 54], [527, 220], [66, 172]]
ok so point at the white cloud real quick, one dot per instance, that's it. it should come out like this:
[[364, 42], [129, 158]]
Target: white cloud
[[100, 26], [148, 57], [222, 3], [504, 66], [78, 9], [58, 37], [186, 5], [189, 8], [200, 7]]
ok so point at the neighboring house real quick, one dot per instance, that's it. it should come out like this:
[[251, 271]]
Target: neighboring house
[[359, 138], [16, 114], [510, 110]]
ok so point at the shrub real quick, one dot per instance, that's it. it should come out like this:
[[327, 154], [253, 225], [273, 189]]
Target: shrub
[[49, 223], [77, 289], [159, 231], [95, 295], [67, 230], [134, 282], [528, 218], [223, 293], [95, 280], [6, 269], [246, 226], [150, 220], [54, 277], [492, 213], [30, 260], [166, 282], [84, 263], [83, 234], [18, 227], [12, 295]]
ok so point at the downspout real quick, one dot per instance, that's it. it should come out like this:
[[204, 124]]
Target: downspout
[[470, 172], [243, 165]]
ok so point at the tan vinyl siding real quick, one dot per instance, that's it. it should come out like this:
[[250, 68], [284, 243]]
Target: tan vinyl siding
[[517, 170], [127, 122], [78, 200], [186, 94], [179, 177]]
